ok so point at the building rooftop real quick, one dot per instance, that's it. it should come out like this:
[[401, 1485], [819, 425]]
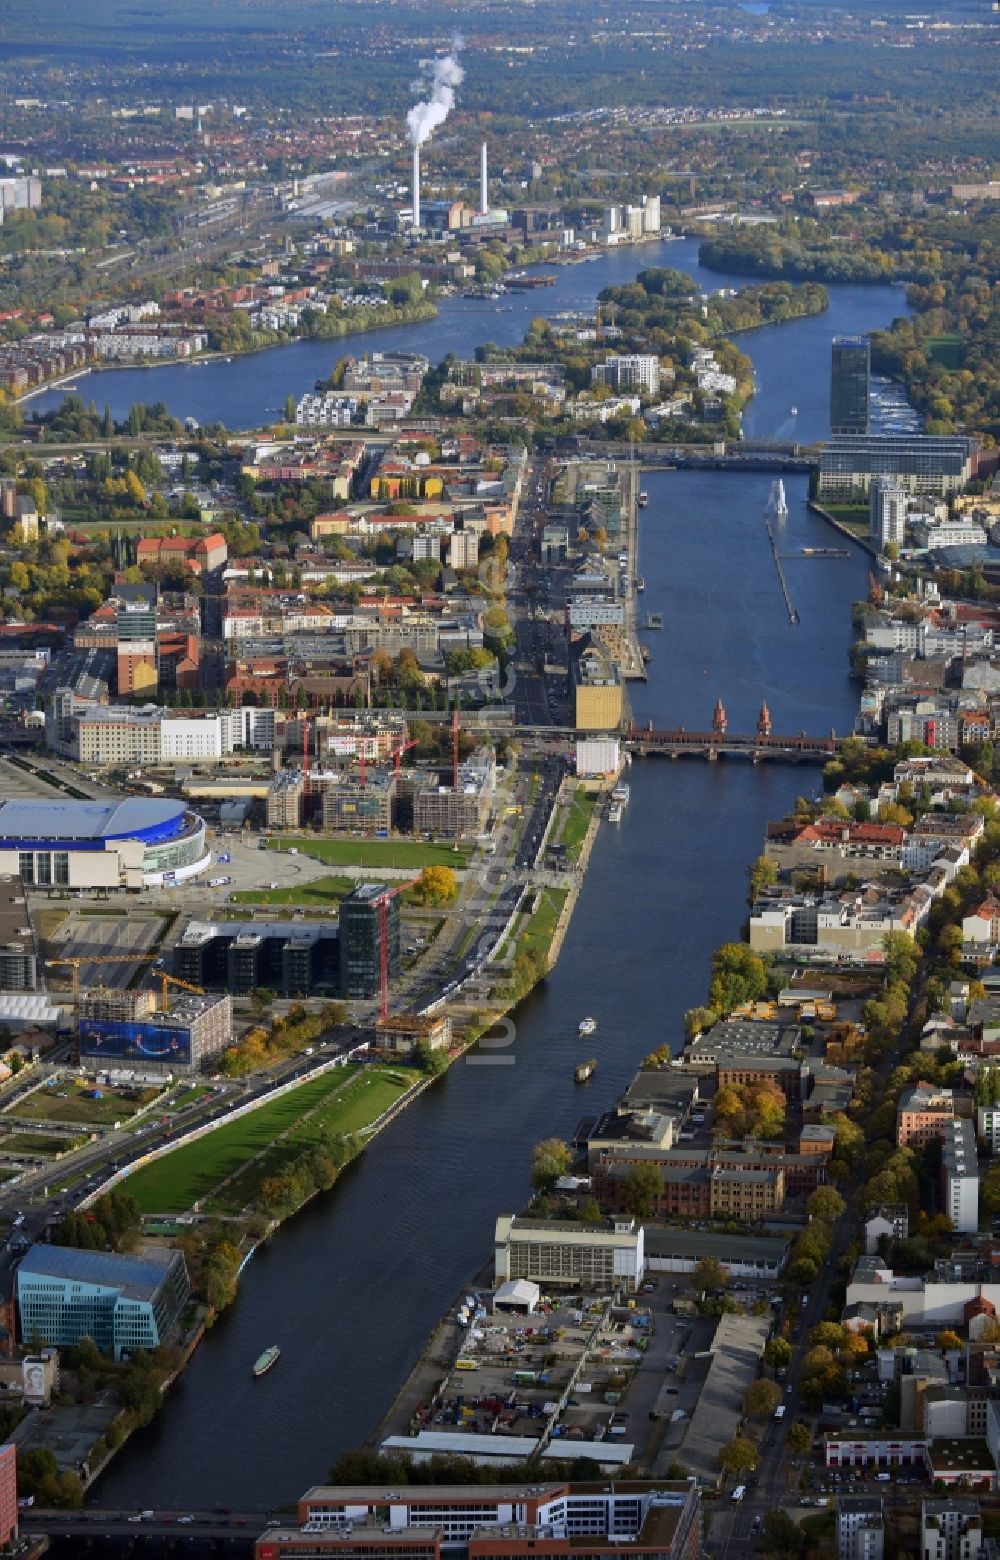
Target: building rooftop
[[111, 820], [137, 1278], [746, 1038], [663, 1240]]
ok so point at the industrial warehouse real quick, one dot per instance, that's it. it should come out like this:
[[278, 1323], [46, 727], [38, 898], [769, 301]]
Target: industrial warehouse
[[131, 844]]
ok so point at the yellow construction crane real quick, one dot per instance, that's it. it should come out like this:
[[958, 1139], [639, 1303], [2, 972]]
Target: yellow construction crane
[[99, 958], [173, 980]]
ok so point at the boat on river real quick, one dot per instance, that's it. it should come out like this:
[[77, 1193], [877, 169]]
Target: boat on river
[[587, 1025], [262, 1364], [654, 619], [643, 500], [585, 1070]]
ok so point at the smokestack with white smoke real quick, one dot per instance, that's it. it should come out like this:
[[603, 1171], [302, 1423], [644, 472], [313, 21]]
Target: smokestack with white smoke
[[444, 75]]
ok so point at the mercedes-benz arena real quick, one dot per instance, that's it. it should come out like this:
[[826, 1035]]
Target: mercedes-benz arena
[[134, 843]]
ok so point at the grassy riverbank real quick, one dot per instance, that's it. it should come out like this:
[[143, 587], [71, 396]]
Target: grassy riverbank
[[270, 1137]]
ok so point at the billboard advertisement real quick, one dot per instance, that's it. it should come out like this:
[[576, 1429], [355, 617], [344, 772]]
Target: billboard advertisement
[[135, 1041]]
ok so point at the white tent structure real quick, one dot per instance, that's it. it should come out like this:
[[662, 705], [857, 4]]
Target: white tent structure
[[520, 1294]]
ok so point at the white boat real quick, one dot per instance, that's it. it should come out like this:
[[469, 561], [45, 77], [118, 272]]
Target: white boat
[[587, 1026], [615, 812], [795, 411]]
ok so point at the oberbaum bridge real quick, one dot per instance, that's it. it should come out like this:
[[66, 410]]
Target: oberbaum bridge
[[720, 742]]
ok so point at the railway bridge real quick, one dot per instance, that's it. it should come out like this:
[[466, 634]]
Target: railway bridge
[[720, 742]]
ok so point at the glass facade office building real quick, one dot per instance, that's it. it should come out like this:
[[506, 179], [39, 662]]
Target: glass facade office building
[[361, 940], [850, 375], [918, 462], [122, 1303]]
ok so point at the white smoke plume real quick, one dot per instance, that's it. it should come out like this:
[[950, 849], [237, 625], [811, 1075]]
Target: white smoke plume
[[444, 75]]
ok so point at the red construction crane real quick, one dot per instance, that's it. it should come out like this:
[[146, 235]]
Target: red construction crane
[[382, 902], [398, 752]]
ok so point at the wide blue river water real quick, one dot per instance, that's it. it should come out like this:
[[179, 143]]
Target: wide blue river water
[[249, 391], [352, 1288]]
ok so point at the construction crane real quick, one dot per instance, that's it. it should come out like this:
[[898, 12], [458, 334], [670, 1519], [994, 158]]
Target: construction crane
[[398, 752], [382, 904], [98, 958], [174, 980], [454, 747]]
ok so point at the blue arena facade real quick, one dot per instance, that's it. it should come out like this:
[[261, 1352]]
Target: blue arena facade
[[131, 843]]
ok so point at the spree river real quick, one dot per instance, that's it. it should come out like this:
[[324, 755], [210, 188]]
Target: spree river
[[245, 392], [352, 1287]]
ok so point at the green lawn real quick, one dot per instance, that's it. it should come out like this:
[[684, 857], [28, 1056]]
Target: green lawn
[[46, 1105], [578, 820], [853, 516], [536, 936], [376, 853], [14, 1144], [179, 1180], [346, 1112], [190, 1097], [328, 891], [946, 349]]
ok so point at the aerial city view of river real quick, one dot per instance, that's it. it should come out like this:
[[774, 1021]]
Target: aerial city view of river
[[352, 1287]]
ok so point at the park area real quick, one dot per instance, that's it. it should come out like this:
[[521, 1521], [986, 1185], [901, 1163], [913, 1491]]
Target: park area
[[325, 892], [410, 855], [78, 1104], [535, 936], [577, 821], [341, 1102]]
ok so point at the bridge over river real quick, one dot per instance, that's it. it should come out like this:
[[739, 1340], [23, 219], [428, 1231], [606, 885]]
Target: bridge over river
[[90, 1530], [720, 742]]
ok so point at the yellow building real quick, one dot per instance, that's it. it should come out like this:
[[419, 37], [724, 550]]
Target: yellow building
[[597, 688]]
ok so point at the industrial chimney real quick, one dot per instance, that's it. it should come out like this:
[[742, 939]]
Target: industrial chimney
[[484, 196], [416, 186]]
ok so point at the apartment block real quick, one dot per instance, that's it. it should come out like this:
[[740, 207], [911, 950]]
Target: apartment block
[[922, 1113], [951, 1528], [960, 1175], [860, 1528]]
